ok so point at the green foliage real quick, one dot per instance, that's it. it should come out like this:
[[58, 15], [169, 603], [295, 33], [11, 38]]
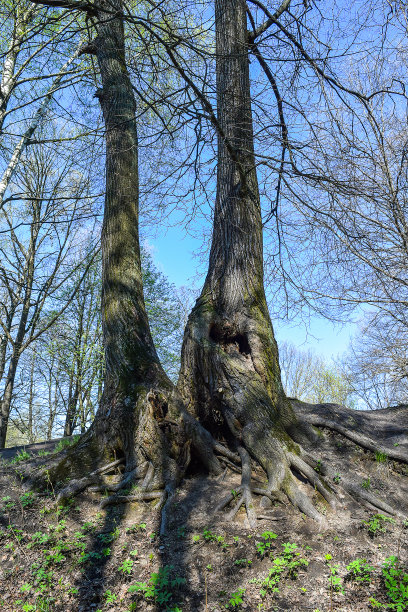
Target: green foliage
[[160, 588], [209, 536], [396, 584], [359, 570], [381, 457], [308, 377], [27, 499], [366, 484], [242, 562], [8, 503], [165, 314], [110, 597], [39, 538], [318, 466], [66, 443], [126, 567], [107, 538], [334, 578], [375, 525], [22, 455], [286, 565], [136, 528], [236, 599], [265, 546]]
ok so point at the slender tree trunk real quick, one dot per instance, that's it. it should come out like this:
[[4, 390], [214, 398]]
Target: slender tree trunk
[[71, 411], [76, 373], [27, 279], [30, 432]]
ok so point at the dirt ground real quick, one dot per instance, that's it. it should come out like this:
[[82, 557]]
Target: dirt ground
[[83, 559]]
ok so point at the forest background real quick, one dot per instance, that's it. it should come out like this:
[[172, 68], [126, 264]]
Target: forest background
[[334, 220]]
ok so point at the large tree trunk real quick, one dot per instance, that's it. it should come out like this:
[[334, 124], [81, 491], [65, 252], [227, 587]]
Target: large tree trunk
[[141, 419], [132, 367], [230, 370], [230, 376]]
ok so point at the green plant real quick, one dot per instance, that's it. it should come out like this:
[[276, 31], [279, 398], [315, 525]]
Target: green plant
[[66, 442], [221, 541], [336, 478], [160, 587], [359, 570], [107, 538], [381, 457], [22, 455], [236, 599], [243, 562], [196, 538], [110, 597], [375, 525], [136, 528], [209, 536], [334, 578], [265, 546], [27, 499], [8, 503], [318, 467], [284, 566], [126, 567], [39, 538], [366, 484], [396, 584], [89, 557]]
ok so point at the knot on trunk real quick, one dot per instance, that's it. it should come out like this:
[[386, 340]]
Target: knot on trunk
[[229, 338], [158, 404]]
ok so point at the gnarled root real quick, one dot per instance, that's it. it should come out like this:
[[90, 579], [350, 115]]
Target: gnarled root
[[380, 431], [77, 486], [163, 447]]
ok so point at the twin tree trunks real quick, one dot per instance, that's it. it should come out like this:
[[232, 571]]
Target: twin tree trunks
[[229, 406]]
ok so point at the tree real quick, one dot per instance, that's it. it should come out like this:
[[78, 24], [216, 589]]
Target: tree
[[375, 365], [25, 96], [306, 376], [139, 401], [230, 377], [35, 261]]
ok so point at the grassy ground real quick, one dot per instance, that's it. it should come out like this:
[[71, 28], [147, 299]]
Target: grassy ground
[[82, 559]]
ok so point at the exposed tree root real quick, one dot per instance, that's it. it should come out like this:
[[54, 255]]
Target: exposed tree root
[[380, 431], [136, 497], [77, 486], [166, 445]]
